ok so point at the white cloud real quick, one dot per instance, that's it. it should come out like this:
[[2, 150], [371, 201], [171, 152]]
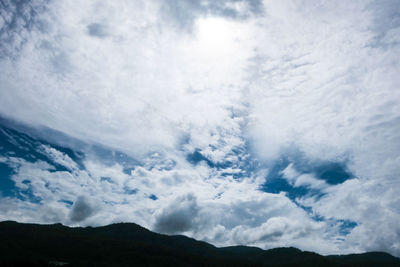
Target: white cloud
[[59, 157], [196, 201], [142, 88], [372, 204], [297, 179]]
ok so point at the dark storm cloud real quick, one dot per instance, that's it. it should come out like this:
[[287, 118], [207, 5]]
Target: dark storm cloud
[[178, 217], [81, 210]]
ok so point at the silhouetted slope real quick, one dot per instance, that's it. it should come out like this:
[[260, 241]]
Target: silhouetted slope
[[277, 256], [366, 259], [128, 244]]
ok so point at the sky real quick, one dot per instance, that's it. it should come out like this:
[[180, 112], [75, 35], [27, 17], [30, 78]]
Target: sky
[[237, 122]]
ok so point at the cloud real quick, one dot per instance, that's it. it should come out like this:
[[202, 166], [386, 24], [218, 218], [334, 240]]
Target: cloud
[[17, 18], [297, 180], [275, 230], [58, 157], [372, 204], [178, 217], [311, 94], [81, 210], [175, 211], [97, 30], [183, 13], [142, 99]]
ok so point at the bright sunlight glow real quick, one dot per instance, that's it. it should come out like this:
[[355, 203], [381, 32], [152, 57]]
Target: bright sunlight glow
[[214, 33]]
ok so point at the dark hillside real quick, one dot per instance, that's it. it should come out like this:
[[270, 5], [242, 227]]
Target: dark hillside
[[128, 244]]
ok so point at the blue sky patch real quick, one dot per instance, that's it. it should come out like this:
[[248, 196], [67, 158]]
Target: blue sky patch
[[68, 202], [331, 173], [130, 191], [345, 226], [153, 197], [196, 157], [6, 184]]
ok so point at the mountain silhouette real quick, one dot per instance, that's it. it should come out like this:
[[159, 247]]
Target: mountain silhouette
[[128, 244]]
